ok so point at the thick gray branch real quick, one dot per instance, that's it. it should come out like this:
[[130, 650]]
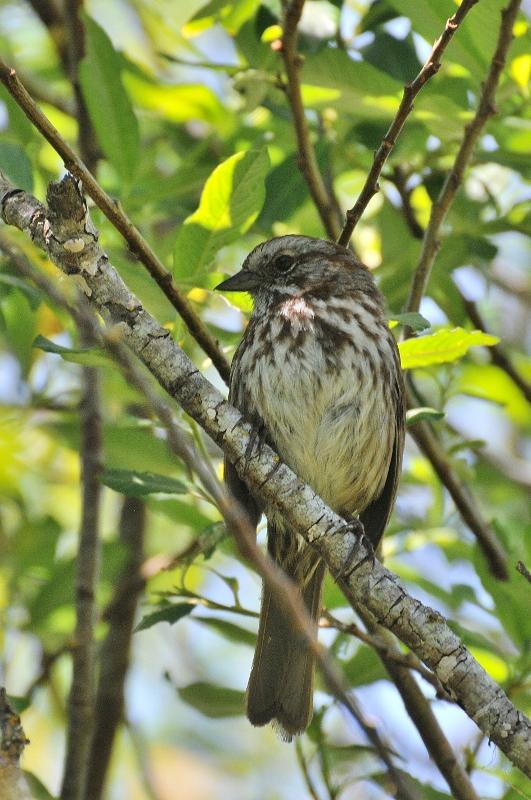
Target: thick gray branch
[[68, 237]]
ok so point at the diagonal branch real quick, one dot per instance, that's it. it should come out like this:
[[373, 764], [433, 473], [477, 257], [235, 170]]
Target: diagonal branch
[[117, 216], [411, 90], [72, 244], [441, 207], [307, 161]]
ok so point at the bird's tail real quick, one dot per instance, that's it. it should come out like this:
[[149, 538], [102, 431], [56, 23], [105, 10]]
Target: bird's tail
[[281, 684]]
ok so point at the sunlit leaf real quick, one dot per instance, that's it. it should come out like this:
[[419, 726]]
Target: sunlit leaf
[[492, 383], [213, 701], [231, 201], [441, 347], [414, 415]]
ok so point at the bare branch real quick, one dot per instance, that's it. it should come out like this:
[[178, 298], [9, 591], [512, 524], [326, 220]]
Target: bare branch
[[368, 583], [463, 499], [81, 700], [486, 109], [114, 656], [496, 352], [75, 36], [324, 202], [405, 108], [119, 219]]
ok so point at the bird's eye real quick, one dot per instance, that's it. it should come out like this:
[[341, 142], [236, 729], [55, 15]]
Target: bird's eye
[[284, 262]]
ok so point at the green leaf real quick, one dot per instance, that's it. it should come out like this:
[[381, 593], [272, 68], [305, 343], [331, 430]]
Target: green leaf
[[397, 57], [137, 484], [415, 415], [18, 704], [16, 165], [171, 613], [229, 630], [231, 201], [38, 789], [372, 92], [108, 105], [231, 15], [441, 347], [32, 294], [213, 701], [365, 667], [88, 356], [411, 319]]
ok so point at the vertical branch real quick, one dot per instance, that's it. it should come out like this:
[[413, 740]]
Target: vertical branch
[[88, 146], [80, 706], [307, 161], [497, 354], [114, 658], [441, 207], [486, 537]]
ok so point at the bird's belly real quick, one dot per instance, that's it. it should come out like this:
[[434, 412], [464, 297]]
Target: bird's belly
[[332, 427]]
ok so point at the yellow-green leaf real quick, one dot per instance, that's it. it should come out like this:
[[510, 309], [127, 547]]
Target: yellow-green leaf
[[441, 347], [231, 201]]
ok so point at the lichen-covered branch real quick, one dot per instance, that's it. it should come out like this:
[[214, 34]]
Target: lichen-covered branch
[[72, 244]]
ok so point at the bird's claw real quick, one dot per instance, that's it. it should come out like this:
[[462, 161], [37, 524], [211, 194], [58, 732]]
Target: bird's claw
[[355, 526]]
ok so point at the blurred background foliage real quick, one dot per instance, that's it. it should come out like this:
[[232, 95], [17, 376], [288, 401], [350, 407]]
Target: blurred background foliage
[[194, 137]]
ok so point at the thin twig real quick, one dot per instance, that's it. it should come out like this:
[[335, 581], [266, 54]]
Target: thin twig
[[441, 207], [408, 660], [405, 108], [307, 159], [522, 569], [119, 219], [80, 706], [114, 656], [301, 759]]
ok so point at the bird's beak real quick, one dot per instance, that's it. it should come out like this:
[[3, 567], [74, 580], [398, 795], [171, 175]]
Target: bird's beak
[[243, 281]]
